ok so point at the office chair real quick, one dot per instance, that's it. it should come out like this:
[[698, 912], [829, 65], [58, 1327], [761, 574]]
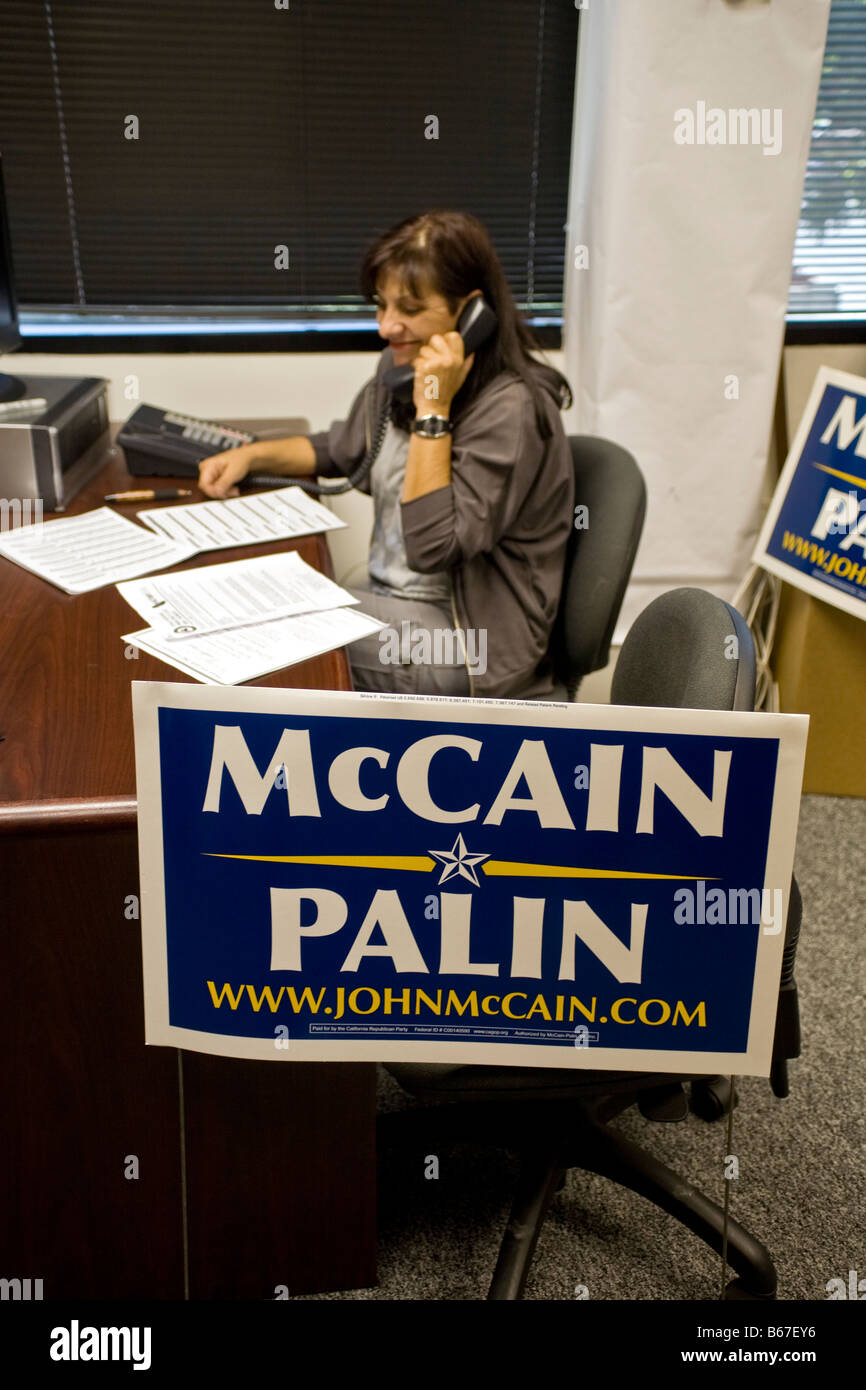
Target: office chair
[[599, 559], [674, 655]]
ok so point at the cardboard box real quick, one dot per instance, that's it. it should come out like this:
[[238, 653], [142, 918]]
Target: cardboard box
[[819, 661]]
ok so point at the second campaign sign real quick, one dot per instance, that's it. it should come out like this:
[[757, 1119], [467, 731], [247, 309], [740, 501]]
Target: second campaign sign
[[341, 876], [814, 533]]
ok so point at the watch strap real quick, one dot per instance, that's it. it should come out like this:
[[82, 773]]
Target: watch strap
[[431, 426]]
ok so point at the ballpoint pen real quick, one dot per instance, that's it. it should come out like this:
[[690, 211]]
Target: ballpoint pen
[[159, 494]]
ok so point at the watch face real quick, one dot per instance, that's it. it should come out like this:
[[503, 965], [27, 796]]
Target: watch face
[[433, 426]]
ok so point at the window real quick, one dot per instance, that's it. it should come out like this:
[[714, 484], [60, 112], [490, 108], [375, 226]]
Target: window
[[829, 273], [220, 166]]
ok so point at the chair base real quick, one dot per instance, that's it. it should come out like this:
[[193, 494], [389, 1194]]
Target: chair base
[[577, 1135]]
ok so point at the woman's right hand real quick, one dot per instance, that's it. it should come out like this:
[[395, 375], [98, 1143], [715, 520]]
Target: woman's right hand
[[219, 474], [281, 458]]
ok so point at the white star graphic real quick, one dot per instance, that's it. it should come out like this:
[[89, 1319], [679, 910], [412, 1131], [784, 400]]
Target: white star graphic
[[458, 861]]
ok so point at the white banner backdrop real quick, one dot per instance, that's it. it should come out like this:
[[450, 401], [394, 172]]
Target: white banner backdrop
[[692, 127]]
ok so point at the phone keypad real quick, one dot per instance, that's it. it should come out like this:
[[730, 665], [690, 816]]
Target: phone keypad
[[217, 437]]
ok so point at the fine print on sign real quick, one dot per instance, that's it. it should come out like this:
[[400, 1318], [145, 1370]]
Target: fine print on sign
[[334, 876], [814, 534]]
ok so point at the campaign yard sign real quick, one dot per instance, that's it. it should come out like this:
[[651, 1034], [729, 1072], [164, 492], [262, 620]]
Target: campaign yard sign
[[814, 534], [343, 876]]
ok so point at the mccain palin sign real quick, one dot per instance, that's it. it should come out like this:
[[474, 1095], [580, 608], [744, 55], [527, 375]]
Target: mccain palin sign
[[814, 534], [341, 876]]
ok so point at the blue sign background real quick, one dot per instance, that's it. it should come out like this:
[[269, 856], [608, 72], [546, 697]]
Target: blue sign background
[[807, 490], [218, 915]]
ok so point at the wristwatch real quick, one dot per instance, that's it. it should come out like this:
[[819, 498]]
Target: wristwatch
[[431, 426]]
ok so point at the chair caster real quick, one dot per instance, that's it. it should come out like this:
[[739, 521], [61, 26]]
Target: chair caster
[[712, 1098], [737, 1291]]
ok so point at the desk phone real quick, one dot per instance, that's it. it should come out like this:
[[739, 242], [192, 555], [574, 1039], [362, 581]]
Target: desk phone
[[165, 444]]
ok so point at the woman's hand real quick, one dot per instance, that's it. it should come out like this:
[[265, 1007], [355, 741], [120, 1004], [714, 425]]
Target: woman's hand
[[218, 474], [282, 458], [440, 371]]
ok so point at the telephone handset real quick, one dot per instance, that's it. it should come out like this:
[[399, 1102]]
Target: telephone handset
[[476, 324]]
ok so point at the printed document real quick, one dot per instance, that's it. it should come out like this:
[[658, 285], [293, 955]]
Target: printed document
[[215, 598], [264, 516], [244, 654], [79, 553]]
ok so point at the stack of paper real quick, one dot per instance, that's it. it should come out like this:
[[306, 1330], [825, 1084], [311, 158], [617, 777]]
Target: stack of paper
[[221, 624], [264, 516], [230, 658], [85, 552], [225, 624]]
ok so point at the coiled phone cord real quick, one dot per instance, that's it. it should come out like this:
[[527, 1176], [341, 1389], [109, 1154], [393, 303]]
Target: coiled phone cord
[[356, 478]]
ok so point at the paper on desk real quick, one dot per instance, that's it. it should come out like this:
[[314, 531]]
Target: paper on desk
[[215, 598], [79, 553], [244, 654], [265, 516]]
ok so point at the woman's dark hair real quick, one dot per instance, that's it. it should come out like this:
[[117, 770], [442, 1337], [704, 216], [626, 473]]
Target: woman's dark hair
[[451, 254]]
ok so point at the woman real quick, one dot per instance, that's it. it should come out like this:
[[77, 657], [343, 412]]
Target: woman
[[473, 485]]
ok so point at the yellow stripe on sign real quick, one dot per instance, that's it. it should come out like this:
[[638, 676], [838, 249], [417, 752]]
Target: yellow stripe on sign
[[508, 868], [848, 477], [420, 863]]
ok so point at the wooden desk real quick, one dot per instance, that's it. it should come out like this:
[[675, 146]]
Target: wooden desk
[[250, 1176]]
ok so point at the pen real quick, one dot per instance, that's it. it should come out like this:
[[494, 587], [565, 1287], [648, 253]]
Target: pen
[[159, 494]]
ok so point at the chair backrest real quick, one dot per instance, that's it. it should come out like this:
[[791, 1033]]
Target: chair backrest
[[601, 551], [687, 650], [691, 650]]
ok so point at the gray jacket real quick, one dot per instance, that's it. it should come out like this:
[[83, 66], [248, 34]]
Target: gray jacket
[[500, 527]]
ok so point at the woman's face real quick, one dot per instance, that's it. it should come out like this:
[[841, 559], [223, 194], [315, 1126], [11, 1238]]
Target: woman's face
[[407, 321]]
